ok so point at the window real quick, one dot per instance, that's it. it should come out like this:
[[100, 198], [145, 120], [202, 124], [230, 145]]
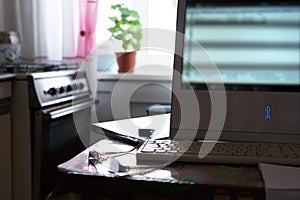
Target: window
[[153, 13], [158, 14]]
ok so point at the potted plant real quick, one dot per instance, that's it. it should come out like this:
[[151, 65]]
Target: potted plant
[[126, 29]]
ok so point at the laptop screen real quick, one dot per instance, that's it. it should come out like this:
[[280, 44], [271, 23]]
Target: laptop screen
[[248, 54]]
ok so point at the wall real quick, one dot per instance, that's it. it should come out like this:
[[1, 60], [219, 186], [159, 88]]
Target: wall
[[1, 17], [7, 15]]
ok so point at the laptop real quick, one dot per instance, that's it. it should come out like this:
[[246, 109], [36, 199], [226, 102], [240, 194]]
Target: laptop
[[236, 91]]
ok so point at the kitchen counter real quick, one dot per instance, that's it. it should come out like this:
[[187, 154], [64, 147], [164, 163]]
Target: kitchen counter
[[132, 77], [140, 74]]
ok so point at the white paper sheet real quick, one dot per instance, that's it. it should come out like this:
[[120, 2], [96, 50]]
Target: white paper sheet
[[281, 182]]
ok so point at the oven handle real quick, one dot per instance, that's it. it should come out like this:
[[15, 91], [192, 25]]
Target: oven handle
[[70, 109]]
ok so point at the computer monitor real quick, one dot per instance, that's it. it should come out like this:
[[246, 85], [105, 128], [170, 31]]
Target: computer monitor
[[252, 50]]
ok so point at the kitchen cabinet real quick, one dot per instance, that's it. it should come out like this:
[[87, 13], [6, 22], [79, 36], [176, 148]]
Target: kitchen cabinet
[[5, 138], [122, 96]]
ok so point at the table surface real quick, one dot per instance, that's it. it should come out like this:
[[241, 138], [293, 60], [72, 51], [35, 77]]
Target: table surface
[[173, 182], [225, 177], [188, 173]]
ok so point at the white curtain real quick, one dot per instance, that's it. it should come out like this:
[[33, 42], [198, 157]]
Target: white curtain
[[58, 27], [48, 28]]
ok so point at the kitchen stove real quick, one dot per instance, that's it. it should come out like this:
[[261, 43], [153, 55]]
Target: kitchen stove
[[50, 83], [51, 110]]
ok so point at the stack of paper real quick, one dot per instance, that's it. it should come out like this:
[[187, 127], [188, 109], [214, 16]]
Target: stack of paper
[[281, 182]]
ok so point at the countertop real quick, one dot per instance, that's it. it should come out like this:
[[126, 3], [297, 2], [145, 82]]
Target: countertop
[[139, 74]]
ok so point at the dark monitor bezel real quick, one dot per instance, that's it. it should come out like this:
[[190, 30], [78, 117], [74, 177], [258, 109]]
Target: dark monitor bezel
[[244, 115], [230, 86]]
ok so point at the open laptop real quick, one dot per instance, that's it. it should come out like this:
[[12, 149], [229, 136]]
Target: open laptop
[[235, 84]]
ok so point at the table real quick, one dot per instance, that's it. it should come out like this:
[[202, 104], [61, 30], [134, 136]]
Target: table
[[176, 181]]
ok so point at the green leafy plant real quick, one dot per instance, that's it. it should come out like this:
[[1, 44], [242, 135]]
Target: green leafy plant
[[127, 27]]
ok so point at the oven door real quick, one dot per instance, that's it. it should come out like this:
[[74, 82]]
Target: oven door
[[59, 135]]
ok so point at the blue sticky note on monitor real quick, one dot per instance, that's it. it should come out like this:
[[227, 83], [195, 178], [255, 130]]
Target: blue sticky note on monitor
[[267, 113]]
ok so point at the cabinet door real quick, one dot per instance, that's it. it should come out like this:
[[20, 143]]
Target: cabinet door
[[125, 99], [103, 106], [148, 95], [5, 89], [5, 157]]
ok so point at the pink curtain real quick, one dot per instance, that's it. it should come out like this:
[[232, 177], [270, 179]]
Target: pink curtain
[[88, 21]]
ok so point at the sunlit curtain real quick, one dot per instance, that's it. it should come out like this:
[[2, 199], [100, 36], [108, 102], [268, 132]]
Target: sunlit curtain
[[88, 22], [52, 29]]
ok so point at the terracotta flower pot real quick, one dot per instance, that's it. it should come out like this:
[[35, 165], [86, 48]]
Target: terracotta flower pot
[[126, 61]]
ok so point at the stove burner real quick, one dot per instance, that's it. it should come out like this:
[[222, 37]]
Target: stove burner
[[36, 67]]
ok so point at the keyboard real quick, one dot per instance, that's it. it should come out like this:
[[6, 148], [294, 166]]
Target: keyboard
[[167, 151]]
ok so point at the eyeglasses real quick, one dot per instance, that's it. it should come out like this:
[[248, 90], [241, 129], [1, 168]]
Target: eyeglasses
[[108, 160]]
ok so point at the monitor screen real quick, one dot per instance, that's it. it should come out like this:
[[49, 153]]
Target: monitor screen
[[254, 47], [251, 51]]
